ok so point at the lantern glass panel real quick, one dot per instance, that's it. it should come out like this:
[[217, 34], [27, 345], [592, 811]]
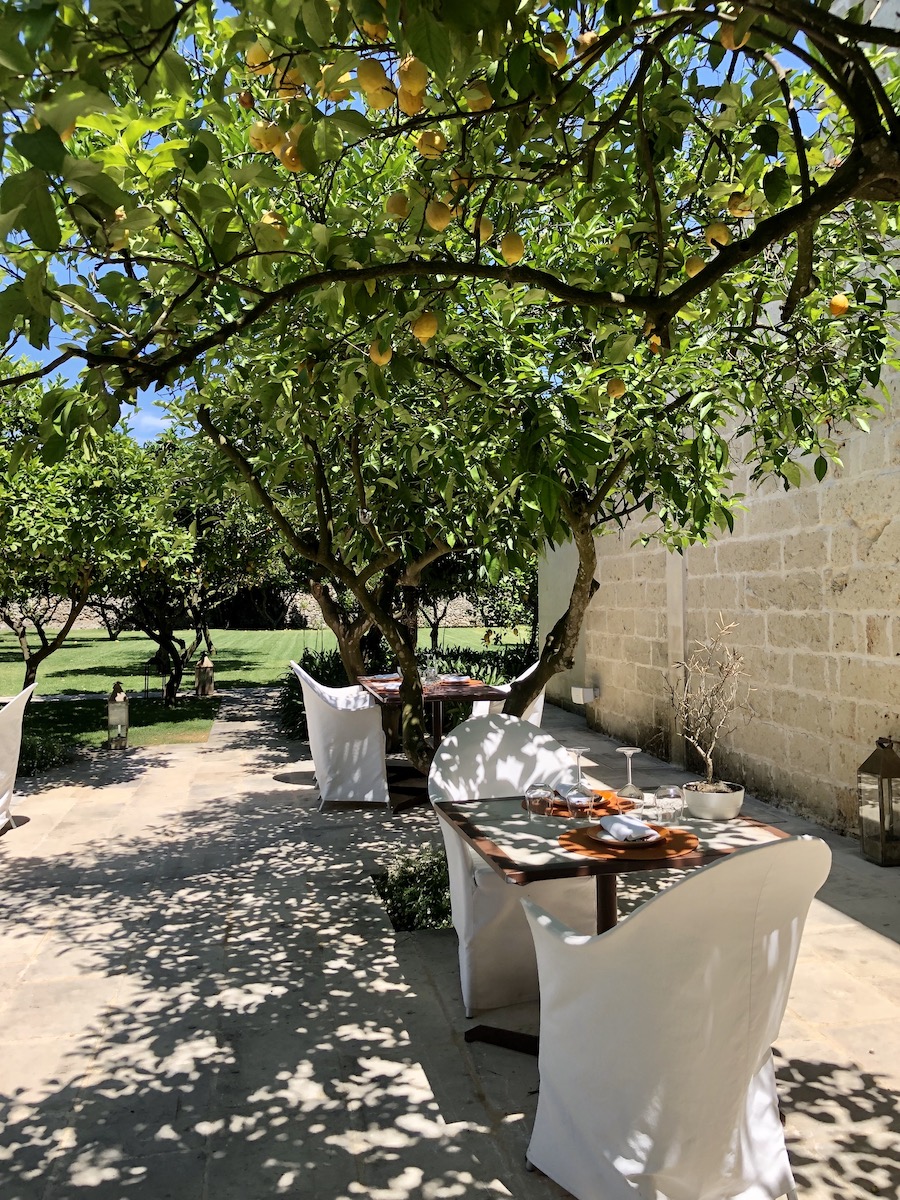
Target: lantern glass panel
[[117, 723], [879, 817]]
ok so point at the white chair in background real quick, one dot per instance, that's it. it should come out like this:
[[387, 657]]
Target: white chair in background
[[482, 758], [657, 1081], [533, 713], [11, 716], [347, 742]]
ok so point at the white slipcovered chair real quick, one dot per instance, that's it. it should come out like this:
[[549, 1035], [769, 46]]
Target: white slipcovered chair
[[11, 716], [657, 1081], [533, 713], [347, 742], [483, 758]]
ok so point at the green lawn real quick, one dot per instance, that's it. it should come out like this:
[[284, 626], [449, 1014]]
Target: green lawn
[[150, 724], [90, 662]]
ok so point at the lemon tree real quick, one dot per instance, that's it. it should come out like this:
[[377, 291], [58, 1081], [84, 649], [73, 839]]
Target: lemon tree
[[371, 476], [72, 529], [529, 207]]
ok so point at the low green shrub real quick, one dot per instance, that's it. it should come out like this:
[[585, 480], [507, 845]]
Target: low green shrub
[[415, 889], [41, 751]]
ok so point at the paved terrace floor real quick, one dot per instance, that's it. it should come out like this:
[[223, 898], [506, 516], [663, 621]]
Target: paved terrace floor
[[201, 998]]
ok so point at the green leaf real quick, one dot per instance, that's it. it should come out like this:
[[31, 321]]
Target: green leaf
[[316, 17], [39, 219], [54, 449], [306, 148], [791, 473], [17, 189], [13, 54], [11, 307], [618, 349], [33, 286], [351, 122], [176, 74], [87, 178], [429, 40], [821, 468], [197, 157], [766, 137], [777, 186], [10, 220], [43, 147]]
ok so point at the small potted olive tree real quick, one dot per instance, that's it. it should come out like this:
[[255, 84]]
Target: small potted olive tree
[[710, 689]]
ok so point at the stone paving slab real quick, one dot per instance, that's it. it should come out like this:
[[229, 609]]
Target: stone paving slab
[[200, 996]]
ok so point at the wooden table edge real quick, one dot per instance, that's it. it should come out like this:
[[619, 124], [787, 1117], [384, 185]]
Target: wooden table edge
[[507, 869], [483, 691]]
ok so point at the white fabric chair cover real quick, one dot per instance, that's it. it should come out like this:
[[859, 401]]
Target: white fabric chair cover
[[347, 742], [10, 743], [655, 1052], [533, 713], [482, 758]]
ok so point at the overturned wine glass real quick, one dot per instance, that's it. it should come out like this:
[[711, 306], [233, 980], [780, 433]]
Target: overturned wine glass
[[629, 791], [579, 797]]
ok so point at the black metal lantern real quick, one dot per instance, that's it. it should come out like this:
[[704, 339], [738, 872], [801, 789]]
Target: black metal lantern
[[878, 791]]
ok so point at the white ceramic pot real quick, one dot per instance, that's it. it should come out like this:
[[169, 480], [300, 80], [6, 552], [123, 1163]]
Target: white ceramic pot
[[714, 806]]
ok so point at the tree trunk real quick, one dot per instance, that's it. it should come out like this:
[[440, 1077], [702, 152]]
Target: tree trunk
[[558, 653], [348, 631], [31, 670], [408, 616], [174, 667], [34, 658], [412, 704]]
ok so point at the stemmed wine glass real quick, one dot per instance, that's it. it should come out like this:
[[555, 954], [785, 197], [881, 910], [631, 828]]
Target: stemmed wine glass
[[629, 791], [579, 797]]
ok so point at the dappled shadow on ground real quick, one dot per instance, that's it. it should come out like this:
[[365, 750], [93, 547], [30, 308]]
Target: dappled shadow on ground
[[857, 1152], [233, 1019], [98, 768]]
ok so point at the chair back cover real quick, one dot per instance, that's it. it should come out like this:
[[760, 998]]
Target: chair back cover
[[655, 1055], [482, 758], [533, 713], [11, 716], [346, 740], [496, 755]]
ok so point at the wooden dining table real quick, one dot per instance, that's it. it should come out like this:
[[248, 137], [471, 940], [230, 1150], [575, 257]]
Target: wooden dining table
[[524, 848], [386, 690]]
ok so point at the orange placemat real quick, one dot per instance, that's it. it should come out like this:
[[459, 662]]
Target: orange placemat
[[676, 842], [606, 805]]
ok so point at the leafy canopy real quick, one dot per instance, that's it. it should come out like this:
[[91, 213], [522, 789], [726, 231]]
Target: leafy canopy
[[176, 178]]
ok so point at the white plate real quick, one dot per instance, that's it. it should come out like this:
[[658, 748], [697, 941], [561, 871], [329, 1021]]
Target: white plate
[[391, 685], [602, 836], [454, 678]]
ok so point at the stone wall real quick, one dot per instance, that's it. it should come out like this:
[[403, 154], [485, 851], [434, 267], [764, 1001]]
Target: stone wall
[[812, 576]]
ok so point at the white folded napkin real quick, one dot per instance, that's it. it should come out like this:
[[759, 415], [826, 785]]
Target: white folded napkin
[[626, 828]]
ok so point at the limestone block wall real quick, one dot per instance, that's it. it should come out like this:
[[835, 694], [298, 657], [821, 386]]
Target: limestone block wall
[[812, 576]]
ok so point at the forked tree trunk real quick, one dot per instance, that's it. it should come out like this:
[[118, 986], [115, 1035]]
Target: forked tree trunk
[[349, 632], [412, 705], [33, 658]]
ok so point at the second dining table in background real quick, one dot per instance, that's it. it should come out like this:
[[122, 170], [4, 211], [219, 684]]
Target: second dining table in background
[[386, 690]]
